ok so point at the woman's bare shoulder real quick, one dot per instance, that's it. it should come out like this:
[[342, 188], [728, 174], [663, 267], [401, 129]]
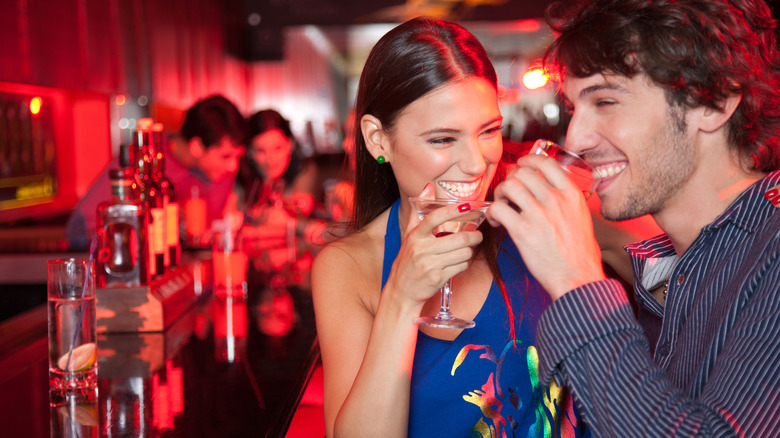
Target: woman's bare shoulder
[[353, 261], [361, 247]]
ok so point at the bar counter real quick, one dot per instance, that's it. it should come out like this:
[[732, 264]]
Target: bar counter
[[222, 369]]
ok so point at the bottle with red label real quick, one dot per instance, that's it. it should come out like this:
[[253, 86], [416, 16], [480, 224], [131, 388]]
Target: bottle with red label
[[150, 194], [168, 193]]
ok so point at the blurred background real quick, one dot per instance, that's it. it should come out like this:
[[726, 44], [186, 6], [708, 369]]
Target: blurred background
[[75, 75]]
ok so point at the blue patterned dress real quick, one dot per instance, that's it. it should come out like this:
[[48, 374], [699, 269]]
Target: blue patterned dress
[[484, 384]]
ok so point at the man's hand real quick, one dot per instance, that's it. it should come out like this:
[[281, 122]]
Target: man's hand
[[547, 217]]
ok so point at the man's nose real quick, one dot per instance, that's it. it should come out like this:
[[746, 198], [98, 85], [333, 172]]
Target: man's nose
[[581, 134], [233, 165]]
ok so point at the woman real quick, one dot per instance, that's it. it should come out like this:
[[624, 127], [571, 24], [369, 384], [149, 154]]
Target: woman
[[273, 165], [276, 185], [429, 124]]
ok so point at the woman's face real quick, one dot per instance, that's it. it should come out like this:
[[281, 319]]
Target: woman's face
[[450, 137], [271, 151]]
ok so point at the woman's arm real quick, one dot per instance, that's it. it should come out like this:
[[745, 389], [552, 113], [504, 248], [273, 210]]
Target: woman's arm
[[368, 341], [366, 359]]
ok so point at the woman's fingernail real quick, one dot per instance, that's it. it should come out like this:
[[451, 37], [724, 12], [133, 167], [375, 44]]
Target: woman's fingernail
[[464, 207]]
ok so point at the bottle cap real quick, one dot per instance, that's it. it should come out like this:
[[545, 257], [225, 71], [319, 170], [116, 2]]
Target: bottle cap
[[145, 124], [124, 156]]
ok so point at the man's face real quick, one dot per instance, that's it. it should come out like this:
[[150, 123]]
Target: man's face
[[626, 129], [221, 160]]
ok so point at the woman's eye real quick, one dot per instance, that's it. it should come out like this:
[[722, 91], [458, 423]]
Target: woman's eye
[[442, 140], [492, 130]]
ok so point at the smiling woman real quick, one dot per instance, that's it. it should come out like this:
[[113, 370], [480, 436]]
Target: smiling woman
[[428, 124]]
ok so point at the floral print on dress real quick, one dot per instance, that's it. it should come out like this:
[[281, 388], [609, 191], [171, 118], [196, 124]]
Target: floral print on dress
[[502, 408]]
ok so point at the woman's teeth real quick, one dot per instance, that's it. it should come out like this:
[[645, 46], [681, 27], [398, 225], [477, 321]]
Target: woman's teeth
[[460, 190], [609, 170]]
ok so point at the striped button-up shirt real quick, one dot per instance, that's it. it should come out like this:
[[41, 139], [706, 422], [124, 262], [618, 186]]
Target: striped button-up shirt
[[715, 368]]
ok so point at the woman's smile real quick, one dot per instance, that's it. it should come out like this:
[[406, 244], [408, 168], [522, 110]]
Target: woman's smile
[[461, 189]]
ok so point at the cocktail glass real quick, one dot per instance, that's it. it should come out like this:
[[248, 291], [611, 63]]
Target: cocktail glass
[[466, 222], [578, 170]]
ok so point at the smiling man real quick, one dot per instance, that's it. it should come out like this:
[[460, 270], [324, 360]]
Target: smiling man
[[677, 105]]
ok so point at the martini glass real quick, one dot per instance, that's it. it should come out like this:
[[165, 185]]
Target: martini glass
[[578, 170], [466, 222]]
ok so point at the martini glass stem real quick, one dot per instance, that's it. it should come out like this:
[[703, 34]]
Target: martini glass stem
[[446, 297]]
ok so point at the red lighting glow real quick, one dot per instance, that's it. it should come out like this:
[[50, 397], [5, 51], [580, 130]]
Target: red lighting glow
[[529, 26], [501, 91], [534, 78], [35, 105], [120, 99]]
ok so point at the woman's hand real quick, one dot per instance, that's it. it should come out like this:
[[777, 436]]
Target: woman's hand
[[425, 262], [267, 232]]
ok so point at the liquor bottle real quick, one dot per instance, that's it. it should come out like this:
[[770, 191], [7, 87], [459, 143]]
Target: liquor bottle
[[149, 193], [122, 252], [168, 192]]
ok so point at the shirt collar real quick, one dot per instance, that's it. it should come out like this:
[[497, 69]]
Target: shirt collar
[[753, 206], [748, 211]]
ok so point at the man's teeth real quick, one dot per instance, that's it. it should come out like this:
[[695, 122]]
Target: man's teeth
[[609, 170], [460, 190]]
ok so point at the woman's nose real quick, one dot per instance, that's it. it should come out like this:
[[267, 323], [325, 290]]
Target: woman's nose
[[473, 159]]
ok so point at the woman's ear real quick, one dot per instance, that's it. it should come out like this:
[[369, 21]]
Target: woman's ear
[[713, 119], [377, 142]]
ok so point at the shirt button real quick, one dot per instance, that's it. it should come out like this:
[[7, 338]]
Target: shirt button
[[663, 349]]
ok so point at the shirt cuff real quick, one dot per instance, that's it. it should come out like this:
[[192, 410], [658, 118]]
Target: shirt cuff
[[580, 316]]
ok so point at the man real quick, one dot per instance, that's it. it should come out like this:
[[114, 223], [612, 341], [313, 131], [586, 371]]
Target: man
[[203, 156], [206, 153], [677, 104]]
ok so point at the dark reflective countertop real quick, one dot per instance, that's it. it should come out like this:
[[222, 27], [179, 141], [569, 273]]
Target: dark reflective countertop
[[223, 369]]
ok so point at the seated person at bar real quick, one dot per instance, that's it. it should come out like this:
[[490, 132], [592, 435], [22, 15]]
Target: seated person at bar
[[428, 111], [677, 103], [203, 155], [274, 189]]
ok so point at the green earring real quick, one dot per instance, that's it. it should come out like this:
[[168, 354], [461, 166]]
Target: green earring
[[381, 159]]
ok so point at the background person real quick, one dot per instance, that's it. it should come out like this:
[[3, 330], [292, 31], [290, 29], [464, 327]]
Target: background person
[[677, 103], [206, 153], [429, 122], [202, 155], [275, 189]]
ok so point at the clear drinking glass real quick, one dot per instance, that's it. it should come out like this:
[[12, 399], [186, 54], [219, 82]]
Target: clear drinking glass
[[467, 222], [230, 263], [74, 417], [578, 170], [72, 328]]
